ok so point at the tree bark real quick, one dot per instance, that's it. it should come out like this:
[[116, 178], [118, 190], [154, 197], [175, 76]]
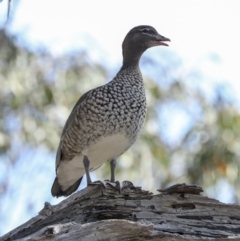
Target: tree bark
[[100, 212]]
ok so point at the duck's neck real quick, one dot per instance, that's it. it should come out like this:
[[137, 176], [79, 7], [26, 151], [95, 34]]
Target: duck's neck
[[131, 58]]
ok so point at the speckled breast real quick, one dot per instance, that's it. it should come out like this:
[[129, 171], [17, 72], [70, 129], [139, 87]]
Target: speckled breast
[[117, 107]]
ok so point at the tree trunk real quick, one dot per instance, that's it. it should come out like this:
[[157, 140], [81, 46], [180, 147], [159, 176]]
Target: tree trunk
[[100, 212]]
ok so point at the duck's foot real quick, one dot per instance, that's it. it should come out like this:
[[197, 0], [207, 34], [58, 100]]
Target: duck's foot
[[108, 184], [100, 183], [115, 186]]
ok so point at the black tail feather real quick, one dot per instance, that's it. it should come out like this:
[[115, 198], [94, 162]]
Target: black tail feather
[[58, 192]]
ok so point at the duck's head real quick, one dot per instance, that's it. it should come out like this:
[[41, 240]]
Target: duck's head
[[140, 39]]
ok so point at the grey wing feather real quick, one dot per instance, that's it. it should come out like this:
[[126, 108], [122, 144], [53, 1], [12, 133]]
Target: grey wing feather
[[72, 114], [69, 120]]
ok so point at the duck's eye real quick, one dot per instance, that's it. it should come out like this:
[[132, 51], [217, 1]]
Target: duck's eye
[[145, 30]]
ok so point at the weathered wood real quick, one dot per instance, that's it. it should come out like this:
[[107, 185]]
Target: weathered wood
[[99, 212]]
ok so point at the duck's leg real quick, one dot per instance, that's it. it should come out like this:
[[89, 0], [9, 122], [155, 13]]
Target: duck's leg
[[117, 186], [86, 164], [113, 163]]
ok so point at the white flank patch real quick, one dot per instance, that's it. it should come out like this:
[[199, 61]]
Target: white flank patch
[[107, 148]]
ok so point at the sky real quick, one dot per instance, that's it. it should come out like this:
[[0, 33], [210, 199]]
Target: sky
[[198, 30]]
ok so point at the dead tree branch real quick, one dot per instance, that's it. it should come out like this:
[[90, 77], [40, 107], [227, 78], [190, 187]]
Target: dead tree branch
[[101, 213]]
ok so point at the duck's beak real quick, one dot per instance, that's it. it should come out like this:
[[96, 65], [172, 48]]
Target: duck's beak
[[161, 40]]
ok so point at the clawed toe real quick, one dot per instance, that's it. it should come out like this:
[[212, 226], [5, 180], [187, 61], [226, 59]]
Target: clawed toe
[[127, 184], [98, 183], [116, 185]]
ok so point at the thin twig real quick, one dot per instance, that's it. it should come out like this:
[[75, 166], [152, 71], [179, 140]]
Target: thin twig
[[8, 11], [9, 6]]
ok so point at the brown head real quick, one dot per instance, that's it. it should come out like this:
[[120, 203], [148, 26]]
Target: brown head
[[138, 40]]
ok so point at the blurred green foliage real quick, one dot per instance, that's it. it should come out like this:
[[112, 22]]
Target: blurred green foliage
[[38, 91]]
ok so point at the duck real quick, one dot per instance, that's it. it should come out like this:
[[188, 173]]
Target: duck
[[107, 120]]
